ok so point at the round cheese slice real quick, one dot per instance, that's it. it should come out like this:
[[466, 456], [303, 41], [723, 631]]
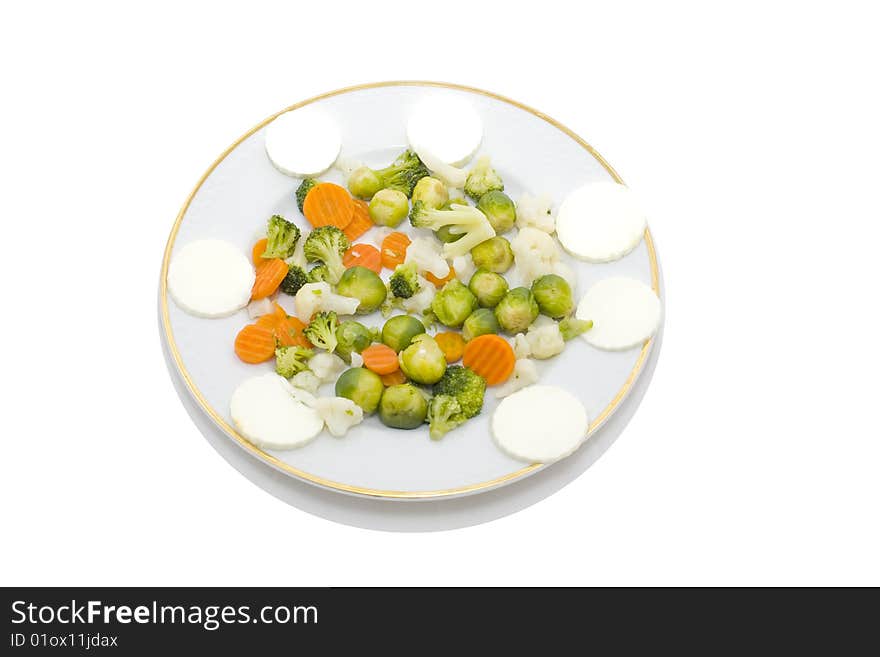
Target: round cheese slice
[[540, 424], [210, 278], [447, 127], [600, 222], [625, 313], [303, 142]]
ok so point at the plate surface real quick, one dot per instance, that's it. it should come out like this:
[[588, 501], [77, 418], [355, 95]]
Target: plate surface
[[242, 189]]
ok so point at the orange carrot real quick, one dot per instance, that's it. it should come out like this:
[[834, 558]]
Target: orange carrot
[[360, 220], [490, 356], [255, 343], [380, 358], [395, 378], [440, 282], [363, 255], [328, 204], [451, 344], [269, 277], [259, 250], [289, 332], [394, 249]]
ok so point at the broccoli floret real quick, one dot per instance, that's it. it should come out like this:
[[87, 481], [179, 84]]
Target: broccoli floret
[[465, 386], [319, 274], [404, 282], [321, 331], [482, 178], [294, 280], [571, 327], [465, 220], [402, 175], [444, 414], [282, 237], [290, 361], [303, 190], [326, 244]]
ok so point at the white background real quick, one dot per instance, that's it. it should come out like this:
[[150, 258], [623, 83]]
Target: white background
[[753, 134]]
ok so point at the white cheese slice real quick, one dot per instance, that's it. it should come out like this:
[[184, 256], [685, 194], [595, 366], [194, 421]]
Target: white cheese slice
[[625, 313], [540, 424], [266, 413], [447, 127], [303, 142], [600, 222], [210, 278]]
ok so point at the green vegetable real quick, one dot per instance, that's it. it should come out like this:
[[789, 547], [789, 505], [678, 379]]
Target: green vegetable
[[462, 219], [482, 179], [488, 287], [499, 210], [444, 414], [458, 396], [453, 303], [296, 277], [327, 244], [399, 331], [404, 282], [281, 237], [445, 234], [319, 274], [553, 294], [479, 322], [290, 361], [403, 407], [516, 310], [361, 386], [571, 327], [364, 284], [321, 331], [423, 360], [402, 175], [431, 192], [388, 207], [494, 254], [302, 191], [352, 336]]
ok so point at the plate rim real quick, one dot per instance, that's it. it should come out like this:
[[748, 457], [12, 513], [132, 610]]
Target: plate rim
[[277, 463]]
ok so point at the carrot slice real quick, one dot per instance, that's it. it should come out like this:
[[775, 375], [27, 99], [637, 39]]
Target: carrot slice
[[363, 255], [490, 356], [269, 277], [360, 220], [440, 282], [380, 358], [451, 344], [395, 378], [255, 343], [328, 204], [394, 249], [289, 332], [259, 250]]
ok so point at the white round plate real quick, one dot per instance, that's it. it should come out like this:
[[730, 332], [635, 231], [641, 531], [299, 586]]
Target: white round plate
[[242, 190]]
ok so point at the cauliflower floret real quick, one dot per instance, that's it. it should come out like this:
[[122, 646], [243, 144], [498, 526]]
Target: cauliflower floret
[[326, 366], [545, 340], [319, 297], [306, 380], [259, 308], [356, 359], [424, 252], [421, 300], [521, 348], [535, 212], [525, 373], [536, 254], [464, 267], [339, 414]]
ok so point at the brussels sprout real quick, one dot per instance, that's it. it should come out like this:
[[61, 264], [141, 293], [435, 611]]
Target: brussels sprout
[[403, 406], [453, 303], [431, 192], [553, 294], [494, 254], [352, 336], [488, 287], [399, 331], [364, 182], [364, 284], [480, 322], [516, 310], [389, 207], [499, 210], [361, 386], [445, 235], [423, 360]]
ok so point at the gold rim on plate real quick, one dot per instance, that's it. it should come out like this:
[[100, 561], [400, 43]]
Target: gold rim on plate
[[359, 490]]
